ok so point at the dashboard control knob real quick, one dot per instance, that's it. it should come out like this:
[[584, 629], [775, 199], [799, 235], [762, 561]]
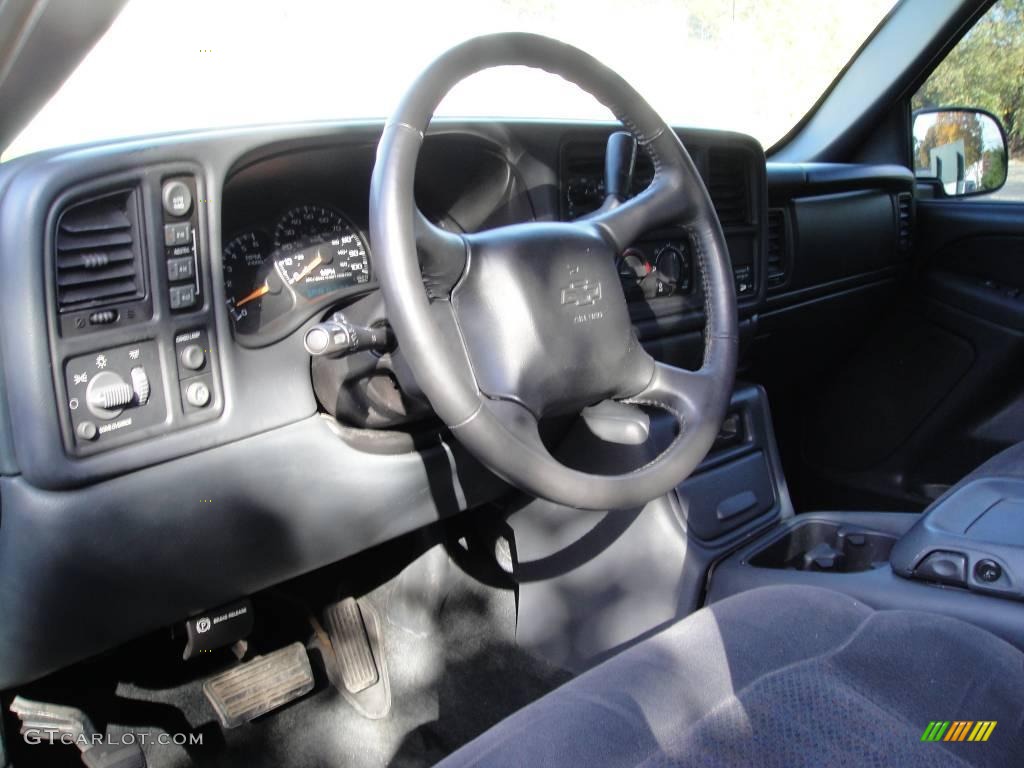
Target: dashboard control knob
[[140, 385], [197, 394], [87, 430], [177, 198], [193, 357], [107, 394]]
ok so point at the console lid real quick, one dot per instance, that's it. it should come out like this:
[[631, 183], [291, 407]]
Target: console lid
[[974, 535]]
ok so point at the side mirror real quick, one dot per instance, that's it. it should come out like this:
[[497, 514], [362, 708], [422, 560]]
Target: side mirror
[[963, 149]]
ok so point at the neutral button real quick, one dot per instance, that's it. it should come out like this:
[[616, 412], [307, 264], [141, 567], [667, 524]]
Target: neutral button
[[87, 430], [193, 357], [197, 394], [177, 198]]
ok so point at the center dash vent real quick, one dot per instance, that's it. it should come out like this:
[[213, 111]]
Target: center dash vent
[[98, 252], [728, 187], [904, 220], [778, 267], [582, 178]]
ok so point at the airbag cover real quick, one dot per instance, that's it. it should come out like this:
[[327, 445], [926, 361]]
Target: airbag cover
[[544, 318]]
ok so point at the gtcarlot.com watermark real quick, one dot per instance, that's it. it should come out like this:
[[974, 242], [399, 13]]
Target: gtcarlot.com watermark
[[84, 741]]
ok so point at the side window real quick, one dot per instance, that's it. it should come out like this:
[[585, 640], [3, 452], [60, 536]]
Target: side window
[[969, 115]]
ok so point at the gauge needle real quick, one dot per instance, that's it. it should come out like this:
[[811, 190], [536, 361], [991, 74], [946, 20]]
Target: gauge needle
[[262, 290], [308, 268]]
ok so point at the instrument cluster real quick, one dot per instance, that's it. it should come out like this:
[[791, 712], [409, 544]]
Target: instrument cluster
[[276, 279]]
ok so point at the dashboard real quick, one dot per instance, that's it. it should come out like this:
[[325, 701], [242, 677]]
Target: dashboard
[[159, 413]]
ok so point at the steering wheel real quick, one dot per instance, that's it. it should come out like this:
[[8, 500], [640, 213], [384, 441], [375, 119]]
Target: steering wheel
[[504, 327]]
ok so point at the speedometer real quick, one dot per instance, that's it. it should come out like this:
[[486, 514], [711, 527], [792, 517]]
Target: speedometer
[[318, 251], [307, 223]]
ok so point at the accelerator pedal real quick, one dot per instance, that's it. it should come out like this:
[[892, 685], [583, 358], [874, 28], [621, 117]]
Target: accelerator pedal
[[249, 690], [360, 672], [351, 646]]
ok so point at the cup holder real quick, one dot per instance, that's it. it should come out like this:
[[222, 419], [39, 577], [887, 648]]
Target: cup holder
[[828, 547]]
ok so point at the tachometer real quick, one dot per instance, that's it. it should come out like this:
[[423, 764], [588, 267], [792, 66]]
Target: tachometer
[[250, 282], [318, 251]]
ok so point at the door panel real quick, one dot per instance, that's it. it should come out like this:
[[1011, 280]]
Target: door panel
[[938, 386]]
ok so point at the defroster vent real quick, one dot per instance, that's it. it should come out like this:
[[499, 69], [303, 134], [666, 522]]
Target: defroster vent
[[99, 253]]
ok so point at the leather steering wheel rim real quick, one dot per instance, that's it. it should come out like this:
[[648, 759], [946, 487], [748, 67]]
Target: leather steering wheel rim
[[505, 327]]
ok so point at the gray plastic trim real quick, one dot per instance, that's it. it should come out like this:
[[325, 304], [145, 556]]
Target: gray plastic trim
[[956, 524]]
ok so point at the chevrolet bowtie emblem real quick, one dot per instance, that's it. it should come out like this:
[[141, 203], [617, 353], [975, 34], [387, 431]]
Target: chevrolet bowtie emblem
[[581, 291]]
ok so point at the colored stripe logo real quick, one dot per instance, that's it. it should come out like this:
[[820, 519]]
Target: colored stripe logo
[[959, 730]]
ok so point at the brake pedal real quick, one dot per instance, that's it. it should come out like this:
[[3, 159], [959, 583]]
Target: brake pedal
[[256, 687], [359, 665]]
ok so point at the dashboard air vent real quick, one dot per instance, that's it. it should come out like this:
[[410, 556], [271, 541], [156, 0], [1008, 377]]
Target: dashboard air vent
[[98, 253], [904, 216], [777, 261], [728, 187], [583, 178]]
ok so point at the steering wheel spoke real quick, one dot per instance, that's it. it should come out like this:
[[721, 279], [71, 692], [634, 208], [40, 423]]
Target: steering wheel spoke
[[442, 256], [662, 203], [519, 421], [688, 395]]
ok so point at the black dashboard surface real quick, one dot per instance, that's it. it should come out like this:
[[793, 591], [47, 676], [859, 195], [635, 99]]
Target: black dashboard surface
[[188, 505]]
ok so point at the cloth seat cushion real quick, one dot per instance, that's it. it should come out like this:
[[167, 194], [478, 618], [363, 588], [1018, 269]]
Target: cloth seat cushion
[[777, 676]]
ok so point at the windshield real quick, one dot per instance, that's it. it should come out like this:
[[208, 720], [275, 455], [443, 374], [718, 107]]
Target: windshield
[[755, 66]]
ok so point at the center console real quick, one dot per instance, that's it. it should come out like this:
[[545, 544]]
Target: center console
[[972, 538], [963, 557]]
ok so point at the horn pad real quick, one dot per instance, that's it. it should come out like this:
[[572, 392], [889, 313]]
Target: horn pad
[[544, 318]]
